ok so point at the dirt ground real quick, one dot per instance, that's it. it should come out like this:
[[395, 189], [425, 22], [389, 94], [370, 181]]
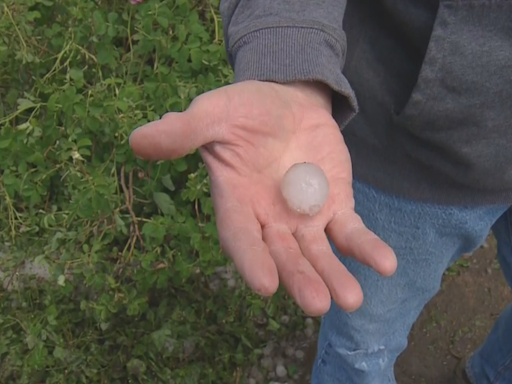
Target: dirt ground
[[454, 323]]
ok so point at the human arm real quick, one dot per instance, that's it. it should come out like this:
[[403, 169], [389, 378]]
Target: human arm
[[290, 41], [278, 113]]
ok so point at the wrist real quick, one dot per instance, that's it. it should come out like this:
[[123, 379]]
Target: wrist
[[315, 91]]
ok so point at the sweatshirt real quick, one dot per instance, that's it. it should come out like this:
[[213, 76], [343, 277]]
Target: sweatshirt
[[422, 89]]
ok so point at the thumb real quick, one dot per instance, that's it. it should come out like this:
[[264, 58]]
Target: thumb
[[175, 135]]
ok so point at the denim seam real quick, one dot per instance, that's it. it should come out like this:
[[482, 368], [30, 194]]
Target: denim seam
[[469, 371], [501, 371], [508, 363], [509, 220]]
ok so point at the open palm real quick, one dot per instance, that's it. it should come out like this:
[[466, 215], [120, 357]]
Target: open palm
[[249, 134]]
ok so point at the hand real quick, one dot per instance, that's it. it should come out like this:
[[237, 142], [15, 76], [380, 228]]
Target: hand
[[248, 135]]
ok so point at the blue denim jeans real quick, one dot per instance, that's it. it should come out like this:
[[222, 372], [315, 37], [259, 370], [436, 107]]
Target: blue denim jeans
[[362, 347]]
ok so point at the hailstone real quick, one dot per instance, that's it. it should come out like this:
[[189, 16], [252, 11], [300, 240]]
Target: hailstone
[[305, 188]]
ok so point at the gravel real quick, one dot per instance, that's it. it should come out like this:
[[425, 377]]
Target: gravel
[[282, 360]]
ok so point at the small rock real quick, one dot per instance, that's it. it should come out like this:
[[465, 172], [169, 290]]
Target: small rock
[[281, 371], [308, 332], [169, 345], [267, 363], [256, 374], [289, 351], [228, 272], [214, 284], [309, 322], [188, 347], [268, 349], [299, 354]]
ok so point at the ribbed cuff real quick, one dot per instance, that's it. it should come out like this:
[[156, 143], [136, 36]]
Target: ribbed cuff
[[289, 54]]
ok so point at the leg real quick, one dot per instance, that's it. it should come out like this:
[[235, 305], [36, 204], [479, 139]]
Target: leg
[[362, 347], [492, 362]]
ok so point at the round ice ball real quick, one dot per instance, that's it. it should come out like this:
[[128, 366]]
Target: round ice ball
[[305, 188]]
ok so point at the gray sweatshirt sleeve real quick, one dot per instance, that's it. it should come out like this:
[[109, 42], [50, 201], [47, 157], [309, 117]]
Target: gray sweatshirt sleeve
[[290, 40]]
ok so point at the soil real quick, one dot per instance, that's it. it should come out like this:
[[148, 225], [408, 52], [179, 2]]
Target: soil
[[453, 324]]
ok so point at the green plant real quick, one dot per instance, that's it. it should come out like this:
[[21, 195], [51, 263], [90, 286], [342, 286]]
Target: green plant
[[129, 247]]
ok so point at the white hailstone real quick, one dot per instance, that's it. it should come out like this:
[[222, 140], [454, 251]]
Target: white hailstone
[[305, 188], [299, 354], [308, 322]]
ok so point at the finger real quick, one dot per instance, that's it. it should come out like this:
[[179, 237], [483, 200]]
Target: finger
[[298, 276], [344, 288], [176, 134], [240, 236], [352, 238]]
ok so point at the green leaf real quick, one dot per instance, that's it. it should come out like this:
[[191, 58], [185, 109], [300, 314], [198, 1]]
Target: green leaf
[[167, 182], [60, 353], [273, 325], [85, 142], [99, 22], [31, 341], [112, 17], [196, 55], [163, 21], [136, 367], [5, 143], [180, 165], [76, 74], [25, 104], [61, 280], [164, 202], [122, 105]]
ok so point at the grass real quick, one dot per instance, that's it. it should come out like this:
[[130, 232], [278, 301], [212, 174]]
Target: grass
[[130, 248]]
